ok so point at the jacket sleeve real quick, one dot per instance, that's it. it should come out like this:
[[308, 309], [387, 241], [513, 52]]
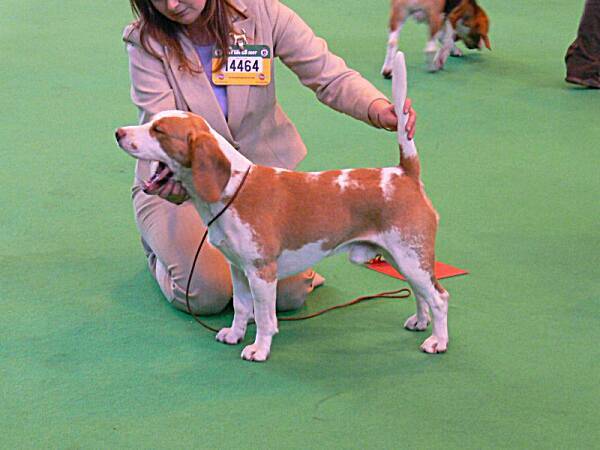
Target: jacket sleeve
[[151, 91], [307, 55]]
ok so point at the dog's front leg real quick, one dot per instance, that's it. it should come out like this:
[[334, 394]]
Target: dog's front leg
[[242, 309], [431, 49], [263, 285], [447, 39]]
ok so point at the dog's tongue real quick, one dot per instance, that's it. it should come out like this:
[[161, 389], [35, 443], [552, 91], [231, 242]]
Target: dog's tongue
[[158, 179]]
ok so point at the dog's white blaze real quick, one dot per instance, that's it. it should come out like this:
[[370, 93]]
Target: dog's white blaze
[[291, 262], [169, 113], [344, 181], [386, 185]]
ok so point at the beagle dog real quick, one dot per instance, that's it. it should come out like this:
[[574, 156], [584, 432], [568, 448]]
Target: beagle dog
[[282, 222], [449, 21]]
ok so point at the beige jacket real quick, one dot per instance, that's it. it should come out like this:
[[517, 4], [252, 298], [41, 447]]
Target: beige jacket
[[256, 124]]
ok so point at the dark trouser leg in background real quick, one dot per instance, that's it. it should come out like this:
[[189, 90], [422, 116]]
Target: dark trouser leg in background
[[583, 56]]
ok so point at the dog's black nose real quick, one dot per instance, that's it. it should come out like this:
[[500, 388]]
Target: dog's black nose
[[120, 133]]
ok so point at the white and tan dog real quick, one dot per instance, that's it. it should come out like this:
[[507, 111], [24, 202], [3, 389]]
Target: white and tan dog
[[449, 21], [283, 222]]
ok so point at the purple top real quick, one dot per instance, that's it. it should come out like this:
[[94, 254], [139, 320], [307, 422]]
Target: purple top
[[205, 54]]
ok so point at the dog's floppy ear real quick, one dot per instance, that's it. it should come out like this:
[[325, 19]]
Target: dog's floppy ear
[[179, 154], [486, 41], [211, 170]]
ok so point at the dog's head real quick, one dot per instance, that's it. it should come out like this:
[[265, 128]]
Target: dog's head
[[471, 24], [185, 143]]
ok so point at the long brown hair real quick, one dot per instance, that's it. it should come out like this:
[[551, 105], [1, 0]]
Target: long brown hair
[[216, 17]]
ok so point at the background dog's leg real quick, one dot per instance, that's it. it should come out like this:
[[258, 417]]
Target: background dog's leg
[[263, 285], [242, 309], [431, 49], [397, 19], [456, 52], [447, 39]]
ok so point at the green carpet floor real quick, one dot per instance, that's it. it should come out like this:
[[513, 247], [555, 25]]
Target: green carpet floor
[[92, 357]]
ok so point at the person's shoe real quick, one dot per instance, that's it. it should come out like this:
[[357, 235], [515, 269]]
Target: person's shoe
[[590, 82]]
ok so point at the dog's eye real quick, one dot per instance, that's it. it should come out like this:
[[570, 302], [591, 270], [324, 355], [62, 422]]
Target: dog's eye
[[158, 129]]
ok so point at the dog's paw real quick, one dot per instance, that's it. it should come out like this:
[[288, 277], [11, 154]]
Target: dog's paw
[[439, 60], [434, 345], [255, 352], [456, 52], [230, 336], [414, 324]]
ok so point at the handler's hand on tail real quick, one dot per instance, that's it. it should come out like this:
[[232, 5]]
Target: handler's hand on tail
[[382, 115]]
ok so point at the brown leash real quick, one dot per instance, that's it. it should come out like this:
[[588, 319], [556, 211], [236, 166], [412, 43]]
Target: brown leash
[[400, 293]]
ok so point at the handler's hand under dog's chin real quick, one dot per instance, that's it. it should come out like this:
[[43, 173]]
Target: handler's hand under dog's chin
[[382, 115], [165, 186]]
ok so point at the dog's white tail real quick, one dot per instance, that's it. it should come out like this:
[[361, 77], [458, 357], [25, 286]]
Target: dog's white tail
[[409, 158]]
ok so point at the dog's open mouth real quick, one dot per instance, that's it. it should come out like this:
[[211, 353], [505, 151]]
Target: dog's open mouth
[[160, 176]]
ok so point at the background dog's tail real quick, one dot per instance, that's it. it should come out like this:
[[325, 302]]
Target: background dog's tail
[[409, 158]]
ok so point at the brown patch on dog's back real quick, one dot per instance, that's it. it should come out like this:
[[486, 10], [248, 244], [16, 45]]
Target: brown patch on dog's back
[[289, 210]]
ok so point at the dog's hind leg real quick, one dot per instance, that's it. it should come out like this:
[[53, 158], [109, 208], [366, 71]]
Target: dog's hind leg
[[431, 48], [242, 309], [263, 285], [397, 19], [417, 267], [419, 321], [437, 298]]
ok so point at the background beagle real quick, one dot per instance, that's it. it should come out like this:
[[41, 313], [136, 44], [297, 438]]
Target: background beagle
[[449, 21]]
